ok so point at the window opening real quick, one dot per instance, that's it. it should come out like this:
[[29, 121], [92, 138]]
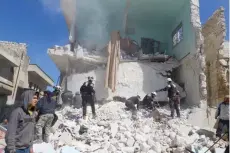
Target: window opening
[[177, 35]]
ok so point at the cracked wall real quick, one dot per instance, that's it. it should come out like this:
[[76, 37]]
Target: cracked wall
[[214, 32]]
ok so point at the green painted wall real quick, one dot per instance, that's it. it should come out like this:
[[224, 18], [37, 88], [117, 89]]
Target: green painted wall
[[187, 45], [152, 19], [157, 32]]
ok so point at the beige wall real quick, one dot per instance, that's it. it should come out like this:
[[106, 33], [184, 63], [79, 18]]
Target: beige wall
[[214, 37]]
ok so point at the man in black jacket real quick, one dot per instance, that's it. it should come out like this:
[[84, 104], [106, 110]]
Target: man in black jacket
[[171, 89], [88, 96]]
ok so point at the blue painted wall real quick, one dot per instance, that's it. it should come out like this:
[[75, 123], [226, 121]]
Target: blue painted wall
[[187, 45]]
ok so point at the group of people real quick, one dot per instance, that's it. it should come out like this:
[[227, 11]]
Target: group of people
[[36, 115], [149, 101], [31, 121]]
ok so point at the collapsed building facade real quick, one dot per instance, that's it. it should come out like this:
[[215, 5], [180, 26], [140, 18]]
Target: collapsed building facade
[[114, 46]]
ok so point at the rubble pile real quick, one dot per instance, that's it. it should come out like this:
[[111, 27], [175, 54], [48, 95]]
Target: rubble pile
[[114, 131]]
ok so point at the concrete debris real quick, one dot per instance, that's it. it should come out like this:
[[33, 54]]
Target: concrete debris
[[114, 131]]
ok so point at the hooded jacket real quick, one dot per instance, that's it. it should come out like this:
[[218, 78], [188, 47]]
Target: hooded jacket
[[20, 132]]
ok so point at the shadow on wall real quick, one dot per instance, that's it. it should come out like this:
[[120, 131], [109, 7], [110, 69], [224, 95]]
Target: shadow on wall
[[76, 80], [153, 81], [101, 92]]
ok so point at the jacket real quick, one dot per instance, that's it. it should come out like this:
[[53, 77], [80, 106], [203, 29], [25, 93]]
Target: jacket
[[148, 101], [46, 105], [171, 88], [134, 100], [20, 132], [90, 89], [83, 89], [223, 111]]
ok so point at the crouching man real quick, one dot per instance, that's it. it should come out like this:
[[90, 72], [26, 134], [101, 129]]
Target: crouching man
[[149, 101], [130, 104], [20, 129]]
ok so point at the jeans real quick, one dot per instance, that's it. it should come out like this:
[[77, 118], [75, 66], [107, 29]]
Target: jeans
[[26, 150], [223, 126]]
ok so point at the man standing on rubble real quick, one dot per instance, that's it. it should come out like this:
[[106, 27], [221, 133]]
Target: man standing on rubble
[[171, 88], [88, 96], [46, 107]]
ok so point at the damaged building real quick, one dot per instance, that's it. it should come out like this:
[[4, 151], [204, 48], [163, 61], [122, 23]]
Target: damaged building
[[16, 74], [141, 35], [134, 49]]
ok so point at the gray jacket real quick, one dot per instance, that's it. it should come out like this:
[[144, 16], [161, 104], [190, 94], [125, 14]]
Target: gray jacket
[[223, 111], [20, 132]]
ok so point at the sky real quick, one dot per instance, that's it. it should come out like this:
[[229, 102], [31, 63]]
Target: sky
[[41, 25]]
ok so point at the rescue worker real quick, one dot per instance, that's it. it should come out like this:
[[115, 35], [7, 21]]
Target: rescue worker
[[88, 96], [171, 88], [148, 101], [130, 104], [46, 107], [20, 130], [132, 101], [223, 114]]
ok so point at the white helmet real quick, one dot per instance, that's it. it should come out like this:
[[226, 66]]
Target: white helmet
[[57, 87], [154, 93], [169, 79]]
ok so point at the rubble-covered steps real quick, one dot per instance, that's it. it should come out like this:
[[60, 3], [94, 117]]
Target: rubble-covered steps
[[132, 78]]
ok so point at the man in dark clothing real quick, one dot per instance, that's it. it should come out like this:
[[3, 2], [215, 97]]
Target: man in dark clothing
[[88, 96], [148, 101], [46, 107], [132, 101], [20, 130], [130, 104], [171, 88], [223, 114]]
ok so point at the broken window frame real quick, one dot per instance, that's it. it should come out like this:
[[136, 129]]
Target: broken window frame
[[177, 35]]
